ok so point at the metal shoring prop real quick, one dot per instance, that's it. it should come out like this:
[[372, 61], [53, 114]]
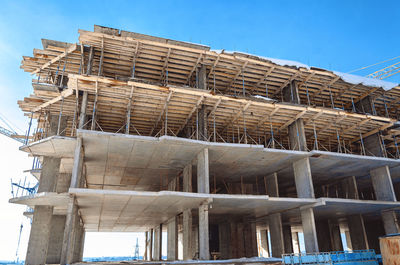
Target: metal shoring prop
[[59, 116]]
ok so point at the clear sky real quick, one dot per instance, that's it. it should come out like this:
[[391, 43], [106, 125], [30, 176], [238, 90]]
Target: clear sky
[[337, 35]]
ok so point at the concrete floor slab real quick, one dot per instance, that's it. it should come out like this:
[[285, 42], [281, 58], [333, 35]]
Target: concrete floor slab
[[58, 200], [333, 207], [136, 211], [56, 146]]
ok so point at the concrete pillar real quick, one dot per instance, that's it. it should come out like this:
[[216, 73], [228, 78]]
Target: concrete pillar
[[384, 191], [77, 167], [357, 232], [82, 115], [203, 177], [204, 248], [187, 178], [224, 240], [296, 242], [274, 220], [335, 236], [150, 245], [240, 241], [187, 234], [305, 189], [172, 239], [309, 230], [55, 239], [157, 242], [323, 235], [348, 240], [287, 238], [264, 243], [234, 239], [250, 239], [202, 114], [276, 233], [39, 237], [349, 187], [70, 232], [303, 178], [49, 174]]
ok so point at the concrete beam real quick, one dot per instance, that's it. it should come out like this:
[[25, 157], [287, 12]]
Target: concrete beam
[[204, 248], [172, 239]]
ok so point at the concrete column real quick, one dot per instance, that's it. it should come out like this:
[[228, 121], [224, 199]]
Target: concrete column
[[79, 238], [234, 239], [274, 220], [335, 236], [349, 187], [357, 232], [276, 233], [323, 235], [204, 248], [250, 239], [384, 191], [69, 232], [240, 240], [305, 189], [272, 185], [202, 114], [77, 167], [264, 243], [224, 240], [82, 115], [187, 178], [348, 240], [157, 243], [309, 230], [172, 239], [150, 251], [203, 177], [55, 239], [39, 237], [296, 242], [303, 178], [49, 174], [187, 234], [287, 238]]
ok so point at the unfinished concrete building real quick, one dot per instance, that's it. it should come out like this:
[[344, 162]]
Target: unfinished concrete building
[[233, 155]]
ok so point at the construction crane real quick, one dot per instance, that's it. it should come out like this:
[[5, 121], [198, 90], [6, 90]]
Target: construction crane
[[386, 72], [10, 132]]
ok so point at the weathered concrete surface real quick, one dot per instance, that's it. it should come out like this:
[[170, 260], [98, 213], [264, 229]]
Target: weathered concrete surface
[[39, 237], [172, 239], [357, 231], [56, 239]]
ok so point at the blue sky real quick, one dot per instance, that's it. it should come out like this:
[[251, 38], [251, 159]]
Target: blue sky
[[337, 35]]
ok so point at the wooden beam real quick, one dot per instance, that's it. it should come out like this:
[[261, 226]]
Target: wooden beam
[[215, 64], [165, 66], [162, 111], [324, 86], [72, 48], [194, 68], [198, 103], [365, 135], [64, 94], [286, 83], [298, 116], [267, 73], [236, 76], [226, 125]]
